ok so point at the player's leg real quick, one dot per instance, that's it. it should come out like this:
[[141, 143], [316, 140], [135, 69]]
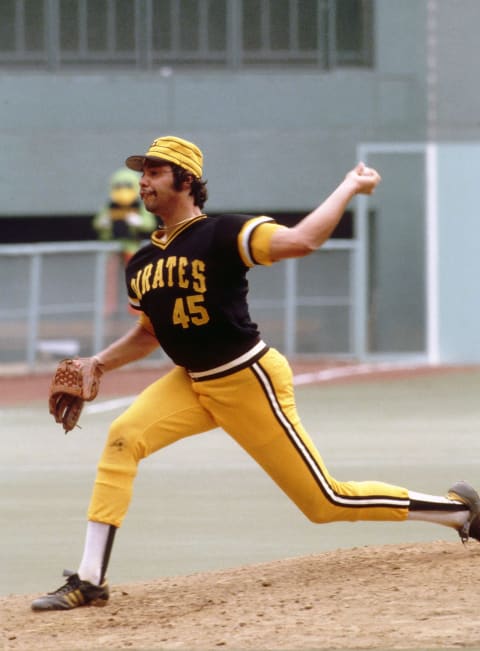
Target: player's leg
[[267, 426], [165, 412]]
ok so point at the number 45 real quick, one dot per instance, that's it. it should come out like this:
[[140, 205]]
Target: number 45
[[188, 310]]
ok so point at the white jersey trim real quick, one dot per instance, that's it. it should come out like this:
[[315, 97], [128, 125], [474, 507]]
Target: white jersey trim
[[230, 366], [246, 235]]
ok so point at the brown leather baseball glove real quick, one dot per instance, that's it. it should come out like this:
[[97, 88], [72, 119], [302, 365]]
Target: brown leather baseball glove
[[75, 381]]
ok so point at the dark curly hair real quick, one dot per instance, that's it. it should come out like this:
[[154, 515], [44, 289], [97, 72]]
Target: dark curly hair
[[198, 188]]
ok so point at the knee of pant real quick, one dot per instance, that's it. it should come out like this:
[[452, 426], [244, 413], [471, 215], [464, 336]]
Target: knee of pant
[[316, 516], [127, 438], [318, 512]]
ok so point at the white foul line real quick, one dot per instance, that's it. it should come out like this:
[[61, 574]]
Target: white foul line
[[109, 405], [339, 372], [325, 375]]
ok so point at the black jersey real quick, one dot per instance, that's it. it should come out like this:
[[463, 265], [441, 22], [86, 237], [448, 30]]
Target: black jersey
[[193, 288]]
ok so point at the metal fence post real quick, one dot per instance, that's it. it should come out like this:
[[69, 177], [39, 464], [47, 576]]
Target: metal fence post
[[290, 339], [99, 300], [33, 315]]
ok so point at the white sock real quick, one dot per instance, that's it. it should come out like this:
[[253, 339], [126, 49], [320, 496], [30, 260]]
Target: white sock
[[442, 510], [94, 552]]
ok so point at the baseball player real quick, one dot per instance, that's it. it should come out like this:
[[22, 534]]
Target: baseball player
[[189, 287]]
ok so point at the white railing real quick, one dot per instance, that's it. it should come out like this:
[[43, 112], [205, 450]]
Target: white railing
[[30, 313], [54, 300]]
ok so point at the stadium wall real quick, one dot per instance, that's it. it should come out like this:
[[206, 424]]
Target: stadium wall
[[66, 132]]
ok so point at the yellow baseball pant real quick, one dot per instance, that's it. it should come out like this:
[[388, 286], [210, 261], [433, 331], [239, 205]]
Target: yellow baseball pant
[[256, 407]]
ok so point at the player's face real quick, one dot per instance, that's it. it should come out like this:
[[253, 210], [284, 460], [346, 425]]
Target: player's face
[[156, 187]]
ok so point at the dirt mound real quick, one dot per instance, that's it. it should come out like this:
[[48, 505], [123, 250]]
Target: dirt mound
[[389, 597]]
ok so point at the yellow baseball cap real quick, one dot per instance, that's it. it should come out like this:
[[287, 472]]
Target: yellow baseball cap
[[173, 150]]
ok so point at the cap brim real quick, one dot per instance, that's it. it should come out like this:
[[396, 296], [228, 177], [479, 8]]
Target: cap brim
[[137, 162]]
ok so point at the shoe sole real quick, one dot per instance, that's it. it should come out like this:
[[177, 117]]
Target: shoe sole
[[99, 602]]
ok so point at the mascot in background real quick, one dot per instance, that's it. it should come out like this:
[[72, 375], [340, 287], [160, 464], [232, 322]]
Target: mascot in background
[[123, 219]]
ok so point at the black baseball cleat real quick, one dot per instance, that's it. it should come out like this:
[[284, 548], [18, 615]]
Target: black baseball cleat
[[73, 594], [461, 491]]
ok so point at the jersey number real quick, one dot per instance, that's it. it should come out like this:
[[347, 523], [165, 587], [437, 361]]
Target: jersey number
[[188, 310]]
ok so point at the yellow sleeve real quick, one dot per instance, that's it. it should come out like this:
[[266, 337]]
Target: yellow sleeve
[[145, 322], [260, 242]]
